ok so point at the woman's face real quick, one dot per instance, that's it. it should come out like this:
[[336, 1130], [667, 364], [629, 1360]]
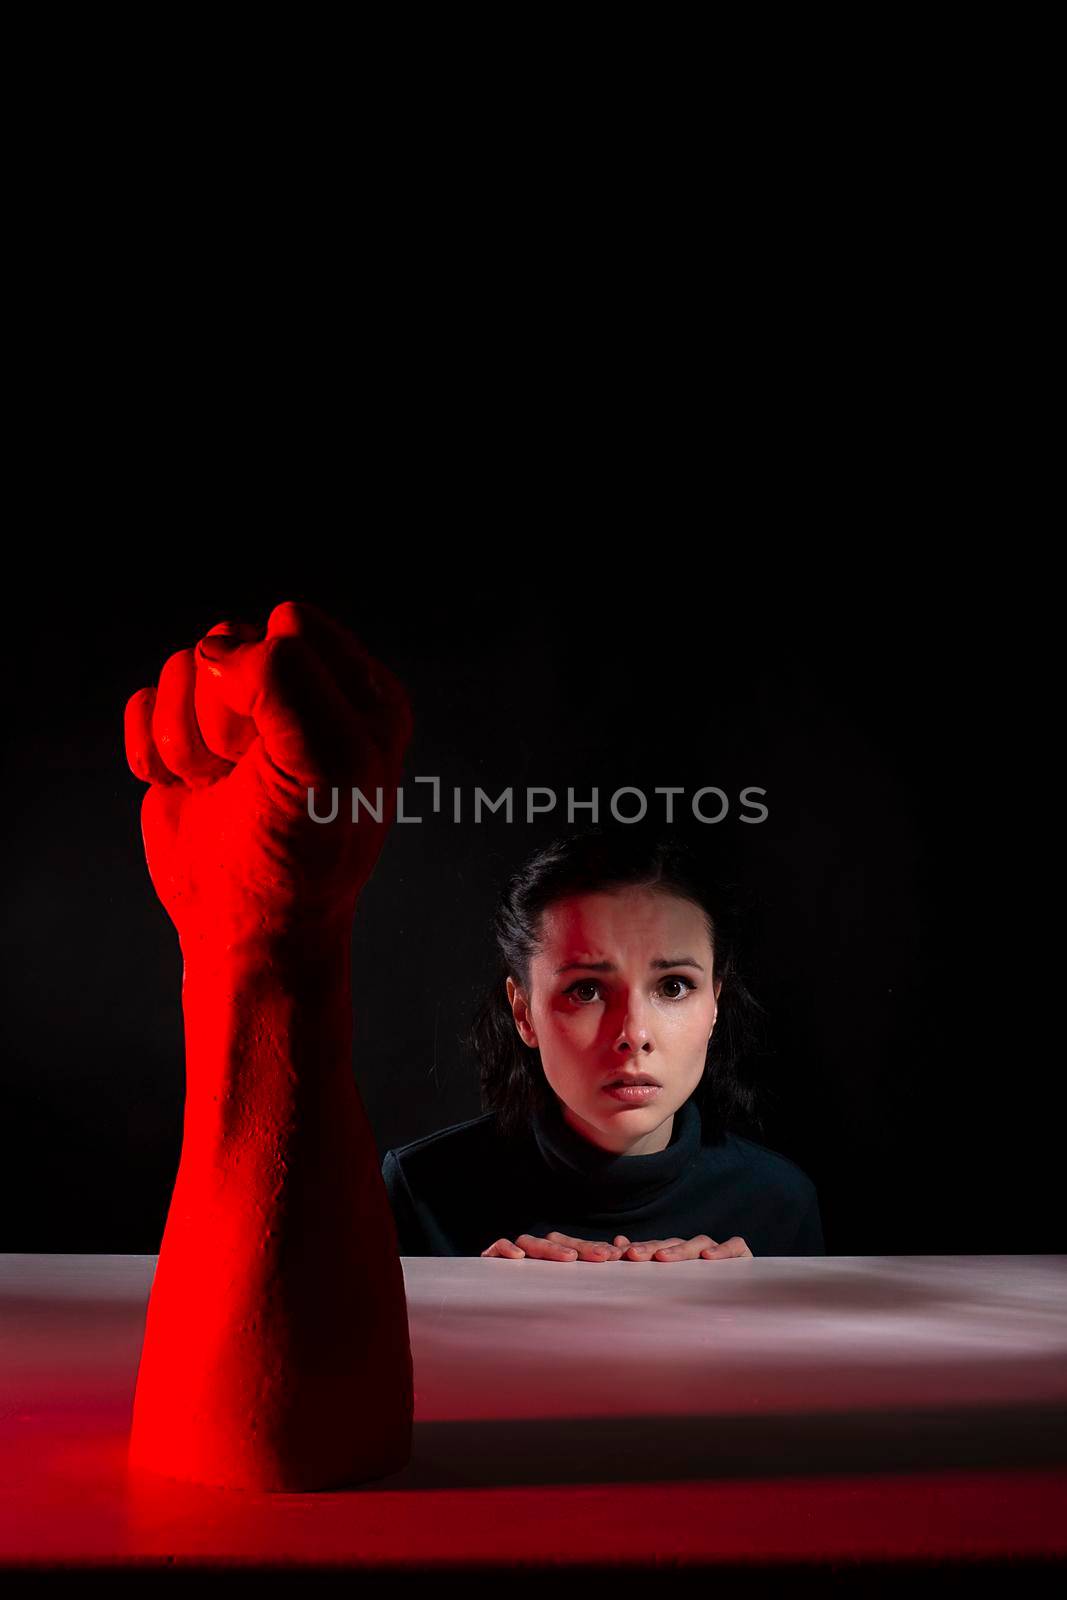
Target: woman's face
[[622, 987]]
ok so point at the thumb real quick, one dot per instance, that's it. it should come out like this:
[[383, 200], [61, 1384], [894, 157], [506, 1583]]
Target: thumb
[[229, 669], [225, 731]]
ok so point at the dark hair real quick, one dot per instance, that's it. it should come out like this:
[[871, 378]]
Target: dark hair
[[511, 1076]]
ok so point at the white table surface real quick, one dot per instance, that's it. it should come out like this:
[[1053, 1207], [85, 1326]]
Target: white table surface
[[825, 1408]]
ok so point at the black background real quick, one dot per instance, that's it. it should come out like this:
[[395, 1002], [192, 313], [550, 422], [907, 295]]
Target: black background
[[840, 678]]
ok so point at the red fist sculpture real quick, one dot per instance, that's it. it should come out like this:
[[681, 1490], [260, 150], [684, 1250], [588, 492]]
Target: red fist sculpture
[[276, 1351]]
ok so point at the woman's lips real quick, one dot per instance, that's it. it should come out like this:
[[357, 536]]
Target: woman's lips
[[634, 1093]]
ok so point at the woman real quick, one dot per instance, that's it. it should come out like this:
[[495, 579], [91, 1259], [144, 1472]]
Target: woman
[[609, 1050]]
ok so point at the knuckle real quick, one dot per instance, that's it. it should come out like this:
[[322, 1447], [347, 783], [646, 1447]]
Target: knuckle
[[289, 616], [281, 650], [175, 670], [139, 699], [287, 665]]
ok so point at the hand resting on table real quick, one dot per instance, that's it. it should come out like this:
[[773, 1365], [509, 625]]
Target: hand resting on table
[[563, 1247]]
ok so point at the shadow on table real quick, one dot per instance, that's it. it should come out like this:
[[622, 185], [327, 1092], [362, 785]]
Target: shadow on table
[[469, 1455]]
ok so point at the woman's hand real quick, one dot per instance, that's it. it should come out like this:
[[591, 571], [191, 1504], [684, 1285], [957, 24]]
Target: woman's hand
[[563, 1247], [554, 1247], [700, 1247]]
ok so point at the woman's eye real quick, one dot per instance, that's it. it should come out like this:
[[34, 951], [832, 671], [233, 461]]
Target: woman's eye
[[580, 990], [688, 985], [583, 983]]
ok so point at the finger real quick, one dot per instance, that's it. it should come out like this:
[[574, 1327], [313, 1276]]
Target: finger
[[224, 732], [310, 730], [729, 1248], [377, 702], [145, 761], [368, 684], [588, 1249], [639, 1252], [684, 1250], [545, 1249], [621, 1239], [345, 652], [504, 1247], [174, 726]]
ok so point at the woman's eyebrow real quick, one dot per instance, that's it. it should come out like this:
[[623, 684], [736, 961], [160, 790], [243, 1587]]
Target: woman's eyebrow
[[609, 966]]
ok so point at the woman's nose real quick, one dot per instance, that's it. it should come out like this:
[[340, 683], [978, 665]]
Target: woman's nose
[[633, 1033]]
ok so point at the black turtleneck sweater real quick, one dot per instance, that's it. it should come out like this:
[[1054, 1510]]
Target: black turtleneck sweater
[[456, 1192]]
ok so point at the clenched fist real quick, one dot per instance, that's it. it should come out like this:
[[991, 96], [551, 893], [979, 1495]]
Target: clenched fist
[[276, 1353], [230, 741]]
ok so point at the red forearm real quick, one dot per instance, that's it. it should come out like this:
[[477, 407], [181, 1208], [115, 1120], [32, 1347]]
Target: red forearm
[[276, 1351]]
